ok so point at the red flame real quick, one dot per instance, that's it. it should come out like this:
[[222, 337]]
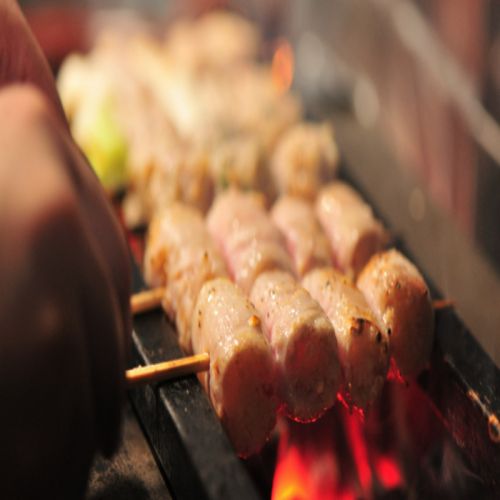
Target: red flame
[[291, 478], [388, 472], [354, 428], [335, 458]]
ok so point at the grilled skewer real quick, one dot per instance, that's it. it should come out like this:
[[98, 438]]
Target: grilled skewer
[[144, 375]]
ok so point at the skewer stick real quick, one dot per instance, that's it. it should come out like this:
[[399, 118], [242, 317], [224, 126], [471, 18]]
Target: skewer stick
[[150, 299], [146, 300], [144, 375]]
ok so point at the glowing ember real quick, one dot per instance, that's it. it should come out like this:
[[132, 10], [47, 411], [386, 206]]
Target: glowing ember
[[388, 472], [291, 478], [282, 67], [337, 457]]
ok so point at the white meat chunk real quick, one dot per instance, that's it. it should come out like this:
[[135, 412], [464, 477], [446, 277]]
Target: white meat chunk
[[249, 240], [305, 157], [348, 221], [181, 256], [364, 346], [240, 382], [398, 294], [304, 346]]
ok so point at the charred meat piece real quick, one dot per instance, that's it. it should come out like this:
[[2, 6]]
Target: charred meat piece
[[398, 294], [364, 346]]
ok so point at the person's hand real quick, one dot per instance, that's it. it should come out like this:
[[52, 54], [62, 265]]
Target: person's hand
[[64, 313], [64, 287]]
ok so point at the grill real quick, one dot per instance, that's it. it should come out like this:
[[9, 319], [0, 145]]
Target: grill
[[461, 388]]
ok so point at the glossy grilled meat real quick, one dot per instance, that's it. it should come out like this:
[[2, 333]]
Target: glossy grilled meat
[[303, 343], [249, 240], [181, 255], [398, 294], [305, 240], [364, 345], [305, 157], [348, 221], [240, 382]]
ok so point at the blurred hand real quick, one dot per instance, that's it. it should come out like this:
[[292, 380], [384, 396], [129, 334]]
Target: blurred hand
[[64, 287], [64, 314]]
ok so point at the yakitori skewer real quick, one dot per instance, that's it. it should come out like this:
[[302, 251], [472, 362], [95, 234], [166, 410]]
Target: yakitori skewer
[[143, 375]]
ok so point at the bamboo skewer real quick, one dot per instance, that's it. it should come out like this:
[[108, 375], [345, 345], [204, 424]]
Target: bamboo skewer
[[146, 300], [150, 299], [143, 375]]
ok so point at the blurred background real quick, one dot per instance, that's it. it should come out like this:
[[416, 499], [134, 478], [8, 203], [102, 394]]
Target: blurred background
[[420, 76]]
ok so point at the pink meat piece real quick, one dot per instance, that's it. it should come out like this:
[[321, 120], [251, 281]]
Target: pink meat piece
[[305, 240], [304, 346], [249, 240], [348, 221]]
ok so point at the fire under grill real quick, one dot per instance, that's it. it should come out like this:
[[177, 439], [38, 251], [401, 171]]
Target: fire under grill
[[439, 438]]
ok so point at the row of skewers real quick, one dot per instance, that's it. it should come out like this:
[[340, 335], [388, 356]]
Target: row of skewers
[[284, 330], [291, 308]]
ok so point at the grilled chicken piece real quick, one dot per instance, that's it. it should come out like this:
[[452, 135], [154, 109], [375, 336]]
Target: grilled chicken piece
[[249, 240], [304, 159], [398, 294], [348, 221], [302, 339], [240, 383], [364, 346], [181, 255], [305, 240]]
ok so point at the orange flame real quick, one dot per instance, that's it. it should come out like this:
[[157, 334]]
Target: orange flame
[[282, 67], [332, 459], [291, 478]]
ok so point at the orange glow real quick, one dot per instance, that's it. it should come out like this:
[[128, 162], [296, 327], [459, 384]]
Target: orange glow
[[282, 67], [291, 479], [334, 458]]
